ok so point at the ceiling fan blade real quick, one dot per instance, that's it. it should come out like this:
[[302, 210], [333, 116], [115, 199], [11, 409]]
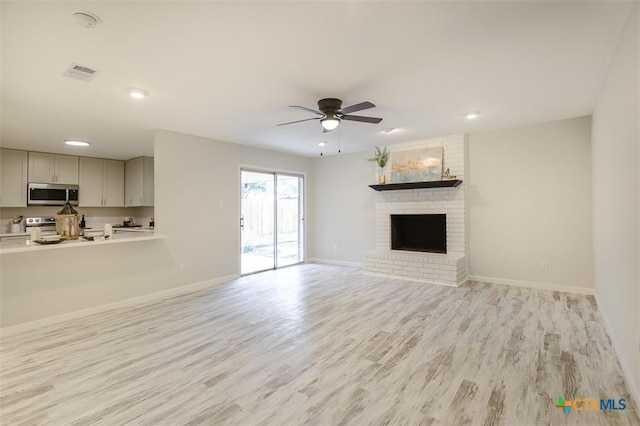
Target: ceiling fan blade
[[306, 109], [357, 107], [372, 120], [298, 121]]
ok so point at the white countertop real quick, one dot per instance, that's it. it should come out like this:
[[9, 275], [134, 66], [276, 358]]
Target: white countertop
[[24, 245], [15, 234]]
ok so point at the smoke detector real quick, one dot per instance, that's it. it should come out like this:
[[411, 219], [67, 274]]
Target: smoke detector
[[85, 19], [79, 72]]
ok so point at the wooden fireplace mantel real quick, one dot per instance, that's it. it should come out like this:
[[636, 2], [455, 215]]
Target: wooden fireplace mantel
[[415, 185]]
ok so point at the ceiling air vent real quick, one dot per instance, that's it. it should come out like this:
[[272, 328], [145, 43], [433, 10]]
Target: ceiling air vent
[[80, 73]]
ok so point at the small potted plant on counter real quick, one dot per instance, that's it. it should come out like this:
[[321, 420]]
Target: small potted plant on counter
[[381, 157]]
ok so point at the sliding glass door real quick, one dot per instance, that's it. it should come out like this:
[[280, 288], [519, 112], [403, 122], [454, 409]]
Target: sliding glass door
[[271, 220], [289, 235], [257, 222]]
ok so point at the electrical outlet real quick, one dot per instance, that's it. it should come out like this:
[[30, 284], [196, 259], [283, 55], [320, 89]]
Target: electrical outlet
[[544, 264], [335, 247], [182, 267]]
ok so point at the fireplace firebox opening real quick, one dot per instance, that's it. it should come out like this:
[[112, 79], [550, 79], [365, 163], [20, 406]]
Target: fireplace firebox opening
[[419, 232]]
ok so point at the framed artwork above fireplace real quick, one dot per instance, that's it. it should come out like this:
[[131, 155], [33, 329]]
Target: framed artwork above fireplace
[[416, 165]]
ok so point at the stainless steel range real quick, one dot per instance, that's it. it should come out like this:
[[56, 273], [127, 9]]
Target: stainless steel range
[[47, 224]]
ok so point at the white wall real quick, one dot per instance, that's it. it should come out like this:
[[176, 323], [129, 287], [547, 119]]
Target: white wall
[[344, 216], [529, 200], [616, 199], [192, 175]]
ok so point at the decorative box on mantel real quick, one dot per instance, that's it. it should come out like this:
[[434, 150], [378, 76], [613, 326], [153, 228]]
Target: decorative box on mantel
[[418, 198]]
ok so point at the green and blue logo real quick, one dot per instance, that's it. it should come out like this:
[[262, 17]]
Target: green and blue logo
[[584, 404]]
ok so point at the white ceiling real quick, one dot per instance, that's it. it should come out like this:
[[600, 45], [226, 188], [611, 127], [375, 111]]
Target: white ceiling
[[229, 70]]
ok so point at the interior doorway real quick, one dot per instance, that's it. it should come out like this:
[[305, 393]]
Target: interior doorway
[[271, 220]]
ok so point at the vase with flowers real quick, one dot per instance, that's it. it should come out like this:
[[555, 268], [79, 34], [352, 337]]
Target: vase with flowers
[[381, 157]]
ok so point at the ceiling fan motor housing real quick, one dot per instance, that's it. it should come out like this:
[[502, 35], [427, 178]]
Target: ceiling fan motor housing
[[329, 105]]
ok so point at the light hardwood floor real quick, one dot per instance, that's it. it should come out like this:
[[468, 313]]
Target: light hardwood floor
[[324, 345]]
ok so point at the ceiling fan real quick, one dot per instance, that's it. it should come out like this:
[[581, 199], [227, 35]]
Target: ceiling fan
[[331, 113]]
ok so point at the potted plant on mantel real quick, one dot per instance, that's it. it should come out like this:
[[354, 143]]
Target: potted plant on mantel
[[381, 157]]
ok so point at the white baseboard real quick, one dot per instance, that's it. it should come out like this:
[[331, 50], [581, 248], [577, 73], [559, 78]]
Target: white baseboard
[[32, 325], [334, 262], [533, 284], [629, 379]]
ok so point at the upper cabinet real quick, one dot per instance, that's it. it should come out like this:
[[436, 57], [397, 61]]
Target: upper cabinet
[[113, 183], [139, 182], [53, 168], [66, 169], [13, 178], [101, 182]]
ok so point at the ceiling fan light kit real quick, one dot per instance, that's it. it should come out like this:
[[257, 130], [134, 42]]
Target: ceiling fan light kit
[[330, 122], [331, 113]]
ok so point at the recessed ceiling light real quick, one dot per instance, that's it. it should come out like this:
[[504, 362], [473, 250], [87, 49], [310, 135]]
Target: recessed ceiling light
[[85, 19], [138, 93], [77, 143], [388, 131], [323, 143], [473, 115]]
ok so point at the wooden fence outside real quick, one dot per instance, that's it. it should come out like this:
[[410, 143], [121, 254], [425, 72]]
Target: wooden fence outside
[[258, 215]]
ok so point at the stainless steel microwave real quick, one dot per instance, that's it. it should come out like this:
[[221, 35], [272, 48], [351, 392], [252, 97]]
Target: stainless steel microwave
[[51, 194]]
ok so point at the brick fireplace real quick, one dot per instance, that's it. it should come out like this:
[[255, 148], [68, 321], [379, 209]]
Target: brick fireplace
[[440, 268]]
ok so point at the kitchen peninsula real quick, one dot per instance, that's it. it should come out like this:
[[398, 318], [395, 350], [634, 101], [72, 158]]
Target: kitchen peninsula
[[24, 245]]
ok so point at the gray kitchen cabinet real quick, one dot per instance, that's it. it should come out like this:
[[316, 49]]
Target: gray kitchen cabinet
[[138, 187], [41, 167], [13, 178], [101, 182], [90, 192], [113, 188], [53, 168]]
